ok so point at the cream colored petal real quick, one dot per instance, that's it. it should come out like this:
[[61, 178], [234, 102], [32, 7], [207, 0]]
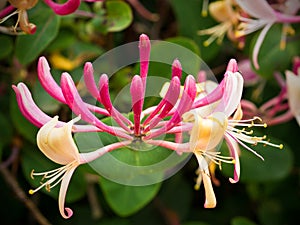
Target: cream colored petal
[[208, 132], [219, 11], [65, 212], [210, 198], [57, 143], [293, 86]]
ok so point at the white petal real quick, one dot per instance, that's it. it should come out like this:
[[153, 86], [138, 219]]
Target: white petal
[[232, 93], [293, 86]]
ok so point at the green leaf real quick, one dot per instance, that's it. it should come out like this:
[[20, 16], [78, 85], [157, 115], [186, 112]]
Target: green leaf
[[270, 53], [45, 102], [6, 46], [23, 126], [276, 164], [32, 158], [64, 39], [119, 15], [164, 53], [241, 221], [190, 22], [126, 200], [29, 47]]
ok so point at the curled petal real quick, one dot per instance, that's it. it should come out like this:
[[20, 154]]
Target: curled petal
[[232, 94], [234, 152], [65, 212], [258, 44], [57, 143], [28, 107], [66, 8]]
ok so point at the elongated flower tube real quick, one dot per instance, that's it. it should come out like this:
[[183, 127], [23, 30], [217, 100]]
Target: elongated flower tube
[[266, 16]]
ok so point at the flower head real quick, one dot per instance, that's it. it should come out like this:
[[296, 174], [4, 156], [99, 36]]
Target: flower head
[[58, 145], [226, 13], [203, 110], [266, 16]]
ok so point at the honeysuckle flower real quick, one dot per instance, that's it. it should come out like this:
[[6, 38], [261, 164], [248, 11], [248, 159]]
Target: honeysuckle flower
[[209, 130], [293, 89], [226, 12], [22, 6], [283, 107], [202, 110], [58, 145], [266, 16]]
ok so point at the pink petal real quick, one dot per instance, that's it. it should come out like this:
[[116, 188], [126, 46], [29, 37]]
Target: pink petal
[[77, 105], [88, 75], [36, 116], [104, 95], [257, 8], [47, 81], [168, 101], [145, 47], [137, 96], [232, 66], [66, 8], [28, 107], [176, 69], [185, 104]]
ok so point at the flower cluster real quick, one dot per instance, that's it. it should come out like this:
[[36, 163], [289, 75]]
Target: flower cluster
[[239, 18], [284, 106], [205, 110]]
